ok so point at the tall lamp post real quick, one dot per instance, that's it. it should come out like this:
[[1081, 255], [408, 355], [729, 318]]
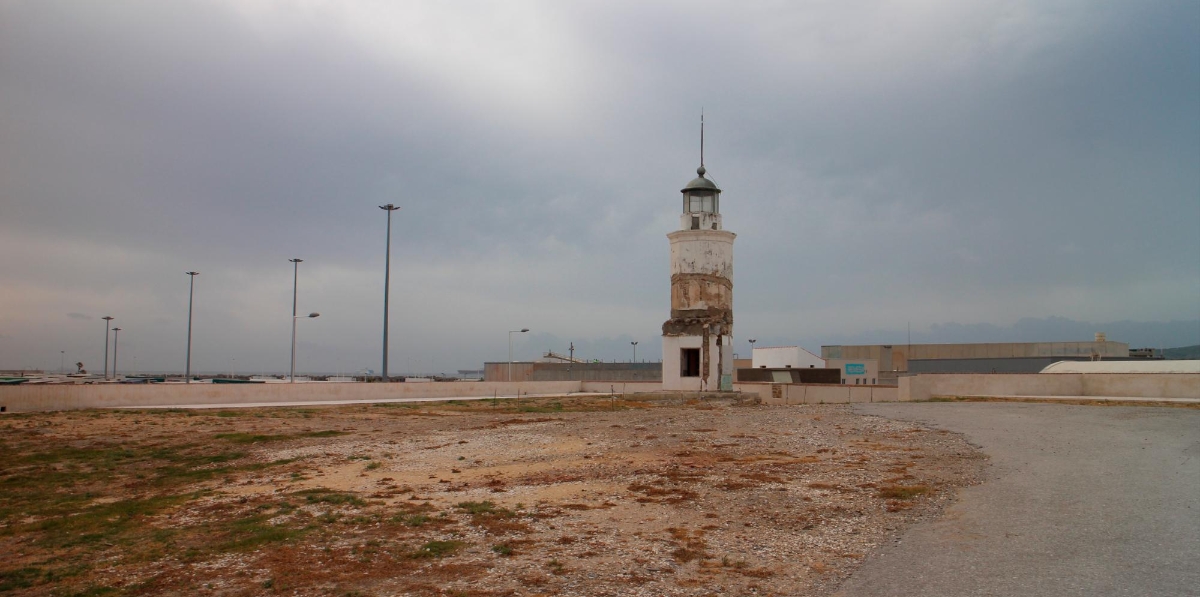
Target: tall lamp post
[[752, 341], [62, 359], [510, 333], [107, 324], [294, 318], [387, 283], [116, 336], [634, 351], [295, 282], [187, 374]]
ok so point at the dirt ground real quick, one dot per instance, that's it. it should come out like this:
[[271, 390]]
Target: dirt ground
[[566, 496]]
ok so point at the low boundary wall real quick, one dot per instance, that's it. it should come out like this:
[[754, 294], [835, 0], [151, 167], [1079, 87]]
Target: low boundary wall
[[30, 398], [620, 387], [1112, 385], [48, 397], [773, 393]]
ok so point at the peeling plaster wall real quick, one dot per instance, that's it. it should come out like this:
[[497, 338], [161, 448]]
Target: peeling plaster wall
[[710, 382], [701, 308]]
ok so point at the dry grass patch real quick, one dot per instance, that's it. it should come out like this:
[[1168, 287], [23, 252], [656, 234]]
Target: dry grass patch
[[902, 492]]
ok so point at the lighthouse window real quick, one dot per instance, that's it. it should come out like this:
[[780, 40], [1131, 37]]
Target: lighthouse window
[[707, 203], [695, 203], [689, 362]]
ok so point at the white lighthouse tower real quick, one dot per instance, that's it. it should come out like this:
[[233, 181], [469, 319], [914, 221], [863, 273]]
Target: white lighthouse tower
[[698, 339]]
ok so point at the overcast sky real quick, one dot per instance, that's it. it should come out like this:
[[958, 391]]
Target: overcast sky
[[937, 163]]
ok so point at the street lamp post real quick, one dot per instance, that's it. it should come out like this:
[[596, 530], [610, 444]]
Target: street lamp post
[[294, 318], [295, 282], [510, 333], [62, 359], [752, 341], [107, 324], [116, 336], [387, 283], [634, 351], [187, 373]]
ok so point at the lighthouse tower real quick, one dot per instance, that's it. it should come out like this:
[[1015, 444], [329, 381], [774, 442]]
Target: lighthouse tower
[[698, 339]]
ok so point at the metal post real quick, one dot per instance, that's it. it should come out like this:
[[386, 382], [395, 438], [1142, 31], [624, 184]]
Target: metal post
[[294, 318], [187, 374], [634, 351], [510, 333], [387, 283], [107, 324], [295, 284], [62, 359], [116, 335]]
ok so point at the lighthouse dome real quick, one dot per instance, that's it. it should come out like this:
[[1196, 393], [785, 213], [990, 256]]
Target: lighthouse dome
[[701, 183]]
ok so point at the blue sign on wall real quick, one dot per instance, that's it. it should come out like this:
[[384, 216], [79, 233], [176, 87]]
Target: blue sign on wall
[[856, 369]]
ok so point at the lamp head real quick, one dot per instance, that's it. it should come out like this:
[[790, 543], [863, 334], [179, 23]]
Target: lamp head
[[314, 314]]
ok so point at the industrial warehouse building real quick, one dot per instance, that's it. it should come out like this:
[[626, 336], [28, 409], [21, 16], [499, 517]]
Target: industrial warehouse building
[[887, 362], [865, 364]]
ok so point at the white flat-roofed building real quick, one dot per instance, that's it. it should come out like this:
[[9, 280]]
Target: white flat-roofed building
[[785, 357]]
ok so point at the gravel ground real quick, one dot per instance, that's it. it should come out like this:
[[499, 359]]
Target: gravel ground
[[651, 498]]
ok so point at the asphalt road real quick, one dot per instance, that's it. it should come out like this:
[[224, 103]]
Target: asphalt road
[[1079, 500]]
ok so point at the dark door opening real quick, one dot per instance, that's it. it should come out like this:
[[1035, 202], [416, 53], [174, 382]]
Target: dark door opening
[[689, 362]]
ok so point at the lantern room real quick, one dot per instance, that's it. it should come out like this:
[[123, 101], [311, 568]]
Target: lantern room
[[701, 204]]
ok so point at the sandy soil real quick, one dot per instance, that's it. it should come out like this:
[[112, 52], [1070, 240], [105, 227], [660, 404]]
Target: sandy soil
[[564, 497]]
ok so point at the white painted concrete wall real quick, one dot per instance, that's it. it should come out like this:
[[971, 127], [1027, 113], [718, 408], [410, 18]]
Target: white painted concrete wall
[[779, 357], [708, 381], [702, 252], [707, 220]]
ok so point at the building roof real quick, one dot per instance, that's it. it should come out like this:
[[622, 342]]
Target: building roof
[[701, 183], [1148, 366]]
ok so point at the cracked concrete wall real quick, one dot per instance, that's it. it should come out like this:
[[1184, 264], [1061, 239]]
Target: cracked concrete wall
[[701, 307]]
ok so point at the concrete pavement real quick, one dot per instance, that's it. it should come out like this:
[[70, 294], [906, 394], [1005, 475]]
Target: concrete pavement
[[1080, 500]]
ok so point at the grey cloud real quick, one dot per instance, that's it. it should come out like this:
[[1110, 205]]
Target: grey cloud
[[983, 162]]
